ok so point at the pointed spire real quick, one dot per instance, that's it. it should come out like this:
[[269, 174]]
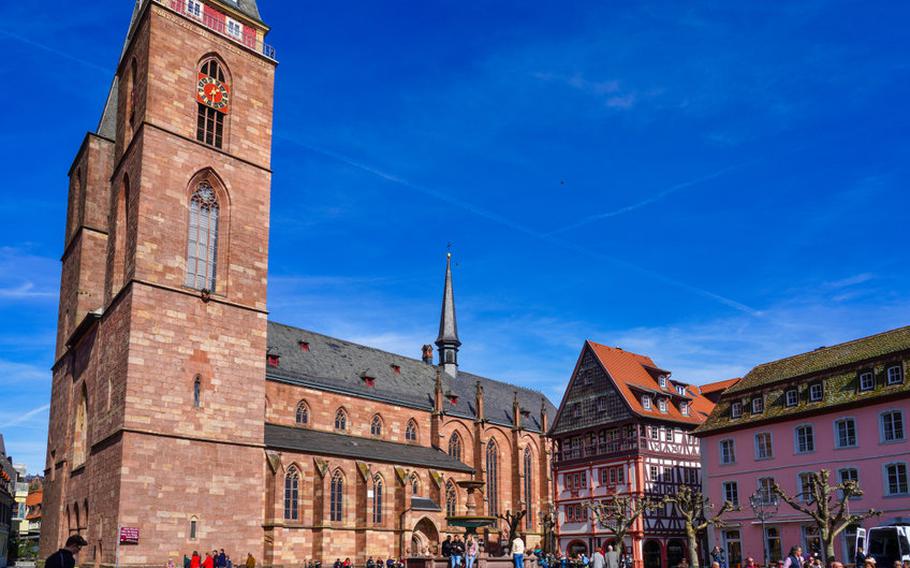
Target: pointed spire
[[447, 342]]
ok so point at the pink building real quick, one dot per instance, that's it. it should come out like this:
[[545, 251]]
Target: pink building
[[843, 408]]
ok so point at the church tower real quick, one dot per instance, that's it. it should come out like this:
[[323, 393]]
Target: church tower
[[155, 442], [447, 342]]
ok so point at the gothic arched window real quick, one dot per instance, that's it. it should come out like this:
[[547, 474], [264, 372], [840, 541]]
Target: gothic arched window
[[377, 500], [410, 433], [202, 241], [376, 426], [492, 478], [303, 413], [451, 499], [529, 488], [341, 420], [455, 446], [336, 509], [291, 494], [415, 485], [80, 433], [210, 121]]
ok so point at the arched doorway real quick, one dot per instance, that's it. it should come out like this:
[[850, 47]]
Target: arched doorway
[[424, 537], [652, 554], [676, 551]]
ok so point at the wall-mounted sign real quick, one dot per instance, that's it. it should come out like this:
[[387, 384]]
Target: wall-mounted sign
[[129, 535]]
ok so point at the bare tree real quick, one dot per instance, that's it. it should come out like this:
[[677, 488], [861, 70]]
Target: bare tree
[[697, 514], [828, 506], [617, 513], [513, 521]]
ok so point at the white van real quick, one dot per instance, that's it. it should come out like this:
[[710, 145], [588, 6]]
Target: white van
[[884, 544]]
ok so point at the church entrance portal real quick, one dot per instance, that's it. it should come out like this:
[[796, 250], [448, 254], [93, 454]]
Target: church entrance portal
[[425, 537]]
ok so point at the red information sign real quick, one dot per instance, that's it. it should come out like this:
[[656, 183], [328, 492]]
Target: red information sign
[[129, 535]]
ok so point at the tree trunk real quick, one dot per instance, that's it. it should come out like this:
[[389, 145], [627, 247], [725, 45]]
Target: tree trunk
[[693, 549], [828, 549]]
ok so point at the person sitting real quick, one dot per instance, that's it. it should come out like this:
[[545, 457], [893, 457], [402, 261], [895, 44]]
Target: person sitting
[[371, 563], [337, 563]]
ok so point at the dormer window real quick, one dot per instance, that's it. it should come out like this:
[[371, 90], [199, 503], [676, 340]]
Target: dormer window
[[736, 409], [663, 381], [791, 397], [451, 397], [758, 405], [684, 408], [368, 380], [681, 389], [662, 404], [895, 375], [304, 346], [396, 369], [866, 381], [646, 401], [816, 391], [272, 359]]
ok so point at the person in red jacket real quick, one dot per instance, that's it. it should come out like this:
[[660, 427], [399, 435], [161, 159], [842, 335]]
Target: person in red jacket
[[209, 562], [195, 561]]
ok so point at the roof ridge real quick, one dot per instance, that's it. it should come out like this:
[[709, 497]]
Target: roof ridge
[[830, 347], [418, 361]]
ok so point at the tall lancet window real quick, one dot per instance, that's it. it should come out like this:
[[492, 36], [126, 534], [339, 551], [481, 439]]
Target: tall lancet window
[[492, 478], [292, 494], [451, 499], [202, 241], [336, 494], [529, 484], [377, 500]]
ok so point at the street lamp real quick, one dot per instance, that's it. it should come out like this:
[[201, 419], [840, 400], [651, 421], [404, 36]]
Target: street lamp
[[764, 505]]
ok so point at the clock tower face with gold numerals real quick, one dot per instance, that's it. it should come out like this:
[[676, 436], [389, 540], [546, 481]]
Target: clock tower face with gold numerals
[[213, 93]]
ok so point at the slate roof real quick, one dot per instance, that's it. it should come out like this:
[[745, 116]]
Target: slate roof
[[424, 504], [825, 358], [332, 444], [629, 372], [338, 365]]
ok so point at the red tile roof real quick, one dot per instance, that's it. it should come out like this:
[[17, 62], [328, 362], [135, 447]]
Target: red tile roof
[[629, 374], [34, 498], [718, 386]]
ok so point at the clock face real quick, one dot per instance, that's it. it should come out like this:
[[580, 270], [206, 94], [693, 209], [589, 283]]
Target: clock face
[[213, 93]]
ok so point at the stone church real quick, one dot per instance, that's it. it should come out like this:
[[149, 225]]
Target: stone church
[[181, 417]]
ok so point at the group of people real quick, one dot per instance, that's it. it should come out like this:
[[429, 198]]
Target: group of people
[[214, 559], [460, 552], [378, 563], [795, 559]]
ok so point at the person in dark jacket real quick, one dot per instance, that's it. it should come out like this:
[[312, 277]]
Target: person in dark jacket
[[66, 556], [447, 547]]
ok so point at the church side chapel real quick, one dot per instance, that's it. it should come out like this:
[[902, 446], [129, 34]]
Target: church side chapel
[[167, 364]]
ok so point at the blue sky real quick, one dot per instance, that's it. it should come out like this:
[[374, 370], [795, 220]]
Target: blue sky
[[715, 184]]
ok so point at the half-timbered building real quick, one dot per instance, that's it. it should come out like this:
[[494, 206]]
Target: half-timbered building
[[622, 429]]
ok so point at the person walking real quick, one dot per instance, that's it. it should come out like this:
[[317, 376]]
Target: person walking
[[250, 561], [612, 557], [518, 552], [186, 561], [196, 560], [222, 559], [598, 560], [471, 550], [66, 556], [208, 561]]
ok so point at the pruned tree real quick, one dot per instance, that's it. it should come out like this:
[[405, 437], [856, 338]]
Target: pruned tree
[[617, 513], [828, 507], [697, 513], [513, 521]]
